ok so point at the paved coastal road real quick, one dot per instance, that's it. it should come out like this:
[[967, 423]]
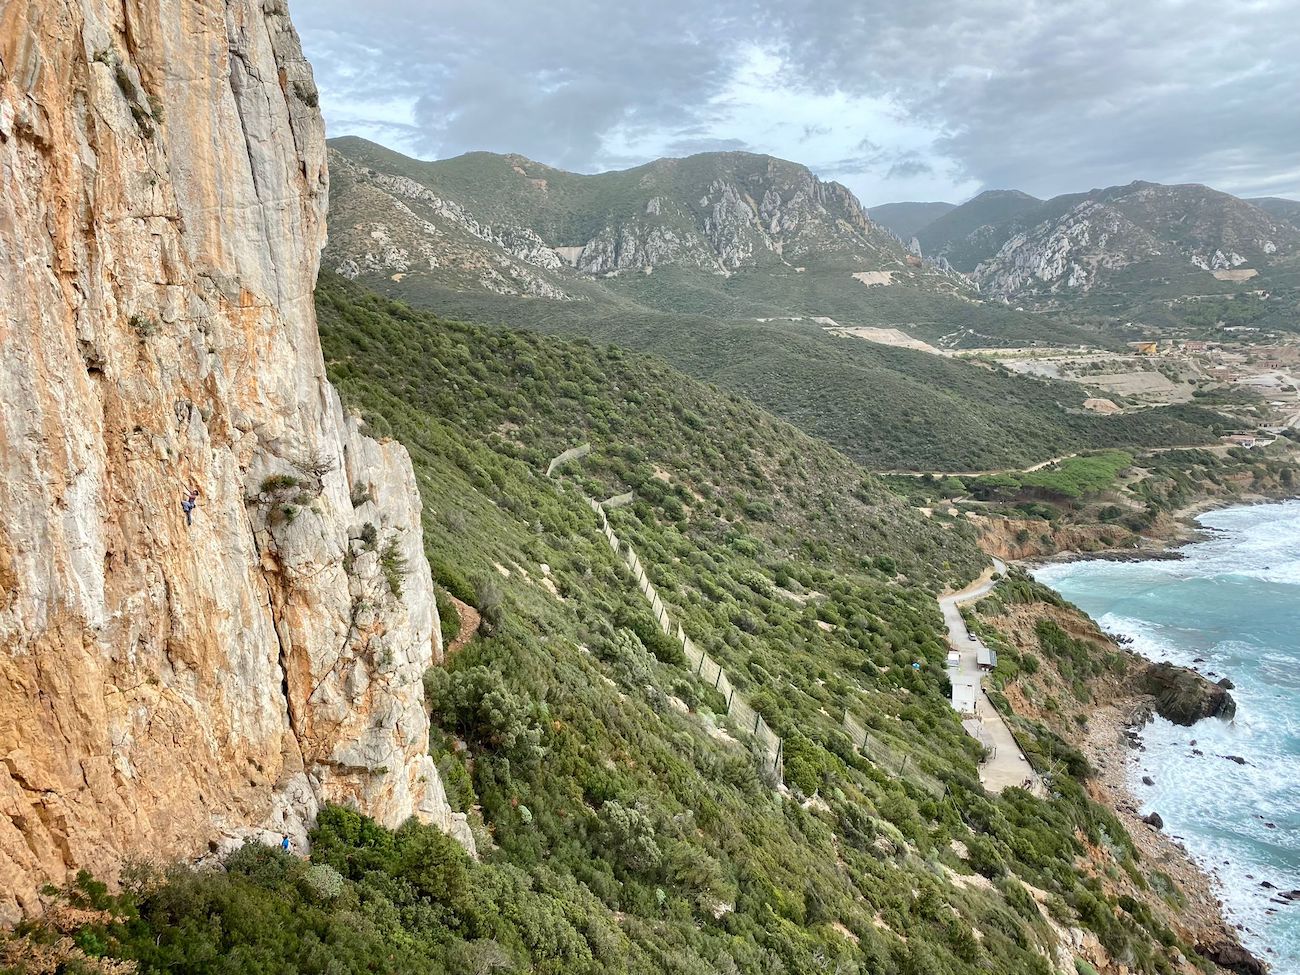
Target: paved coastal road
[[1007, 766]]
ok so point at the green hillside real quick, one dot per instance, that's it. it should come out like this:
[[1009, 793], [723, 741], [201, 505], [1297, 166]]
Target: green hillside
[[887, 408], [1288, 210], [722, 235], [1143, 252], [972, 232], [620, 829]]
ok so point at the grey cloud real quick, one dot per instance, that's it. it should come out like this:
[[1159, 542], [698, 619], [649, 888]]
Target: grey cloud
[[1038, 95], [547, 80], [906, 168], [686, 147], [1049, 97]]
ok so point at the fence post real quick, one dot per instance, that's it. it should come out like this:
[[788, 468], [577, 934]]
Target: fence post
[[729, 697], [717, 680]]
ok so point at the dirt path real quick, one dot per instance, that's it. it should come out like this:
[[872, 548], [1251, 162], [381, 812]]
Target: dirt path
[[469, 623], [1005, 470], [1007, 765], [1214, 448]]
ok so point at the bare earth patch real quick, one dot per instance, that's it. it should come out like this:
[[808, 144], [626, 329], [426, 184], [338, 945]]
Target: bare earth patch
[[469, 623], [886, 336]]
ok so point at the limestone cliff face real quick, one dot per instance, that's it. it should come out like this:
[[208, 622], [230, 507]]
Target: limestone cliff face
[[164, 689]]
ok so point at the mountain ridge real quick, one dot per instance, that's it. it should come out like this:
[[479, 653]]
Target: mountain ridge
[[1116, 248], [904, 219], [716, 212]]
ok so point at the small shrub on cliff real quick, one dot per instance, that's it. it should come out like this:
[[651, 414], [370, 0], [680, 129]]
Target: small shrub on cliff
[[369, 536], [393, 565], [274, 483], [144, 326]]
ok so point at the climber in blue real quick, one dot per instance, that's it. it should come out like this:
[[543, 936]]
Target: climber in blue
[[188, 505], [284, 843]]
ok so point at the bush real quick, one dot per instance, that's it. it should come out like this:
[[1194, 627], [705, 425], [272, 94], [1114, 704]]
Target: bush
[[475, 702], [488, 601], [448, 616], [322, 882], [453, 582], [630, 834], [274, 483]]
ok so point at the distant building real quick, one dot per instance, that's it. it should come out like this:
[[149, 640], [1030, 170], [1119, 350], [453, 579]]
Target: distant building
[[1195, 346], [986, 658], [1145, 348], [1246, 440]]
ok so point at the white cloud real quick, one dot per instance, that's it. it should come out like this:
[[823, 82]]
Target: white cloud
[[867, 142]]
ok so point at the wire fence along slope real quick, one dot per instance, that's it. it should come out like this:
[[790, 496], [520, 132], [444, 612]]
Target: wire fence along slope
[[573, 453], [742, 715], [890, 760]]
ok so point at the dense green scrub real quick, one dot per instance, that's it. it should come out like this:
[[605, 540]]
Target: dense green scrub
[[887, 408], [622, 826]]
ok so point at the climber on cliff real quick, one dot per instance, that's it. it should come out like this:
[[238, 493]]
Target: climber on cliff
[[188, 505], [284, 843]]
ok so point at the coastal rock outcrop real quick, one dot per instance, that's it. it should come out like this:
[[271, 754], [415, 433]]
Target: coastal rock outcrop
[[1184, 696], [168, 688], [1233, 957]]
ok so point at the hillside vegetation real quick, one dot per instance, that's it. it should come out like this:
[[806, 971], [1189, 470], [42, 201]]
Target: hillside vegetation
[[888, 408], [721, 235], [903, 220], [622, 826]]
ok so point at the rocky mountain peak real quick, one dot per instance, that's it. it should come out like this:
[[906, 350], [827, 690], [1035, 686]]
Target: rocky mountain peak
[[488, 221]]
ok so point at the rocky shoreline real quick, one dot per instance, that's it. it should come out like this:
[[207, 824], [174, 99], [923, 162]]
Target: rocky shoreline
[[1114, 732], [1182, 529]]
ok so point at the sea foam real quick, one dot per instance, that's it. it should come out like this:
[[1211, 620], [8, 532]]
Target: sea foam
[[1231, 608]]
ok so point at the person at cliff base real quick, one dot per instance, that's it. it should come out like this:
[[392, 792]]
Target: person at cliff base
[[284, 843]]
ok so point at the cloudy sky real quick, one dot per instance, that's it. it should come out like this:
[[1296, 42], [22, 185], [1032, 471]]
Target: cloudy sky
[[911, 100]]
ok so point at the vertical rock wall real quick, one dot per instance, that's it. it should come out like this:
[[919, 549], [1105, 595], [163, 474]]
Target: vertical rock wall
[[167, 689]]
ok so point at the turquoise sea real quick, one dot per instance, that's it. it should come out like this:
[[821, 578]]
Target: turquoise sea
[[1230, 608]]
